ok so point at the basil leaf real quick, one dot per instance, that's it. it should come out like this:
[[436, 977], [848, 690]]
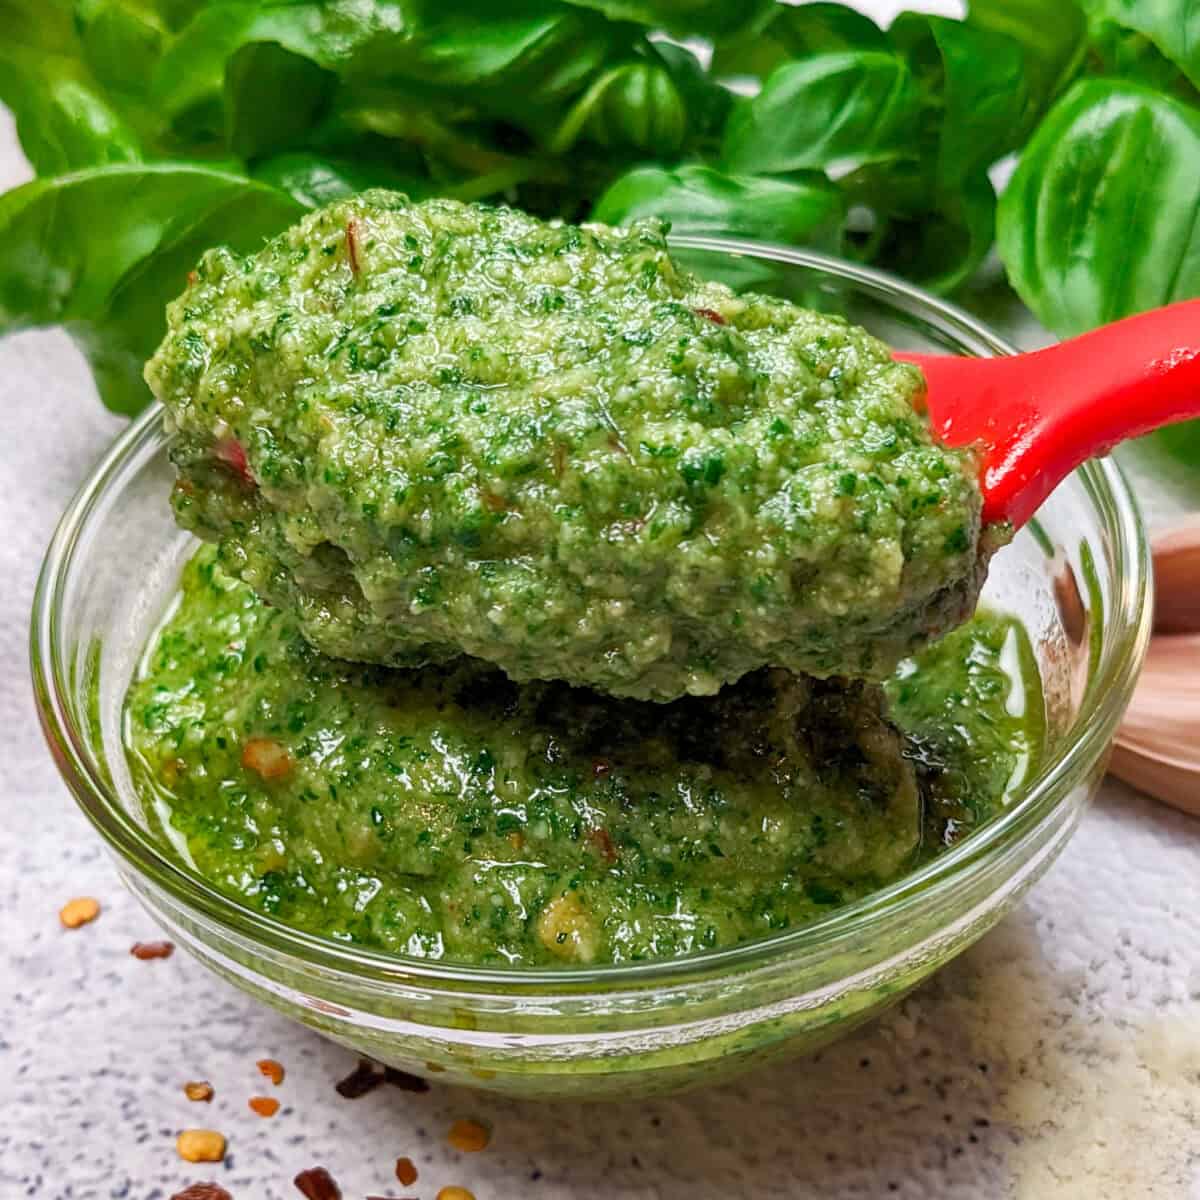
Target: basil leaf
[[520, 50], [707, 102], [121, 41], [840, 109], [1114, 50], [1100, 219], [108, 286], [973, 86], [700, 200], [706, 18], [796, 32], [635, 106], [1172, 25], [188, 87], [256, 77], [944, 240], [1052, 37], [64, 120]]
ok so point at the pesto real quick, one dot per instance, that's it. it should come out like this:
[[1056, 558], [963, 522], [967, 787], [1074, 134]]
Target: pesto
[[450, 812]]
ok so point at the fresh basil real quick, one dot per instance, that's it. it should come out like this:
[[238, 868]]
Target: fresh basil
[[1053, 40], [256, 76], [1172, 25], [64, 118], [160, 124], [940, 240], [792, 32], [839, 109], [107, 282], [973, 92], [1101, 217], [700, 200]]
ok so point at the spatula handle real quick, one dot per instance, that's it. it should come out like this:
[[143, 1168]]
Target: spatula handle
[[1038, 416]]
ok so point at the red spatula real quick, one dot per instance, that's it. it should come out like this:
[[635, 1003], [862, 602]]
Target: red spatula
[[1037, 416]]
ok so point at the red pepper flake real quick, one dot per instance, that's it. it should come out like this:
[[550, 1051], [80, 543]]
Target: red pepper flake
[[199, 1091], [603, 844], [469, 1136], [81, 911], [404, 1081], [352, 247], [265, 1106], [232, 453], [710, 314], [203, 1191], [363, 1079], [144, 951], [406, 1172], [317, 1184], [266, 757], [200, 1145], [269, 1068], [191, 278]]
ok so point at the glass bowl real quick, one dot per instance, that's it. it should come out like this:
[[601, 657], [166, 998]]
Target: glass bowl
[[1078, 577]]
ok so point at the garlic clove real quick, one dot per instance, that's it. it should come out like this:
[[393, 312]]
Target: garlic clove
[[1157, 748], [1177, 578]]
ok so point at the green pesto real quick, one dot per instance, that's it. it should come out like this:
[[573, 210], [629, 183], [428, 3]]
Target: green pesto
[[467, 431], [450, 812]]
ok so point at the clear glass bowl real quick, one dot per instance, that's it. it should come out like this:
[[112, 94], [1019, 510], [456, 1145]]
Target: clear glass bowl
[[1078, 577]]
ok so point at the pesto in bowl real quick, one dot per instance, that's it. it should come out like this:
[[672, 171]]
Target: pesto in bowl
[[449, 812]]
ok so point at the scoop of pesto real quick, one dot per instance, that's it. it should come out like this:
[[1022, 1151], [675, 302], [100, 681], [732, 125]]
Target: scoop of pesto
[[428, 430]]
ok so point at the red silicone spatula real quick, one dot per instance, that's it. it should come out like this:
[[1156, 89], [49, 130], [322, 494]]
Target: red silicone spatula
[[1036, 417]]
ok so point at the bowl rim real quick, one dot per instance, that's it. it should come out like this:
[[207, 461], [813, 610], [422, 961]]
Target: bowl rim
[[1094, 724]]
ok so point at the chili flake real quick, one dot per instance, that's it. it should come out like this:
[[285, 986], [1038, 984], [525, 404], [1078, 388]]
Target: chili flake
[[352, 247], [266, 757], [469, 1136], [81, 911], [271, 1069], [232, 453], [406, 1172], [203, 1191], [711, 314], [144, 951], [317, 1184], [363, 1079], [201, 1145], [265, 1106]]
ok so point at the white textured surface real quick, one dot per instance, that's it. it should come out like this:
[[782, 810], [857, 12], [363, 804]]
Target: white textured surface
[[1059, 1058]]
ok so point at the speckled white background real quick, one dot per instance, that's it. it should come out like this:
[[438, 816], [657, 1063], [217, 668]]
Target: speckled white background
[[1058, 1058]]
